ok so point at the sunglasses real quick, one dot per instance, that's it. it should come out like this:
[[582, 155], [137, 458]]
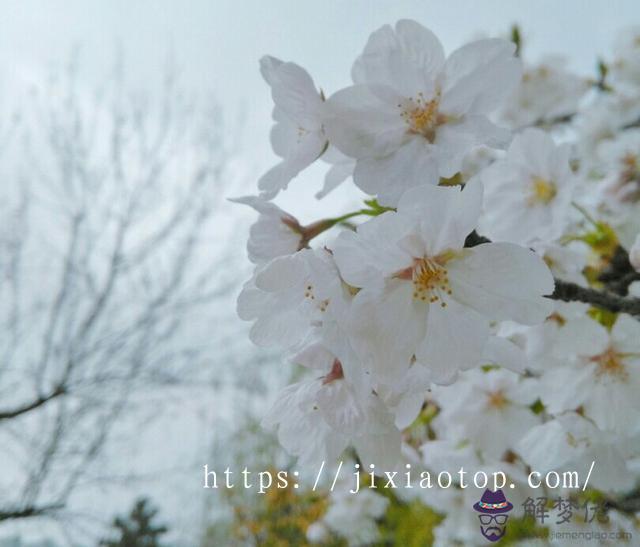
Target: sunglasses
[[487, 519]]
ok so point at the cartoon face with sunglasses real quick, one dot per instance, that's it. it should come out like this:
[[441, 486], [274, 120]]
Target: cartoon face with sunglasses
[[493, 508]]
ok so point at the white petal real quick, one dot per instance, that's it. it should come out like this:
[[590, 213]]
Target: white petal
[[260, 205], [367, 256], [383, 451], [503, 281], [446, 215], [387, 328], [363, 121], [250, 301], [413, 164], [408, 59], [301, 429], [580, 337], [334, 177], [480, 76], [307, 149], [315, 356], [455, 140], [626, 334], [456, 336], [503, 352], [282, 273], [546, 447], [293, 91]]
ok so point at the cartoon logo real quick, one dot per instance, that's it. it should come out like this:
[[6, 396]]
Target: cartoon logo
[[493, 507]]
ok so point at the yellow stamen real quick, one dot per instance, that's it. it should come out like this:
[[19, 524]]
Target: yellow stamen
[[542, 191], [431, 280], [422, 116], [610, 363], [496, 400]]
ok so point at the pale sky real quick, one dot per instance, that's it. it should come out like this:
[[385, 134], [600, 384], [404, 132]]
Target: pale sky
[[217, 43]]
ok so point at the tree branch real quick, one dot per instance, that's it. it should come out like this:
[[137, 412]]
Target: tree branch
[[27, 512], [571, 292], [43, 399]]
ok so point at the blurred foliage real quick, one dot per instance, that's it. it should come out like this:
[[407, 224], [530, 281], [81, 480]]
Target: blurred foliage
[[604, 317], [537, 407], [420, 429], [408, 524], [516, 38], [280, 518]]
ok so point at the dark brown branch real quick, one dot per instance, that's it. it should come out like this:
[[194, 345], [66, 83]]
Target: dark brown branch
[[632, 125], [570, 292], [619, 273], [40, 401], [28, 512]]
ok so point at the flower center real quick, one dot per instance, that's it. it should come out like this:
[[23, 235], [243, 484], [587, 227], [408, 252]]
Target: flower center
[[611, 364], [496, 399], [630, 168], [336, 373], [422, 116], [430, 278], [542, 191], [629, 177], [309, 294]]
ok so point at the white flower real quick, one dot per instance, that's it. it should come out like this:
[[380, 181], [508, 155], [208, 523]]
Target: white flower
[[571, 442], [297, 136], [634, 254], [317, 532], [287, 296], [275, 233], [317, 419], [412, 116], [600, 374], [566, 262], [602, 121], [489, 409], [539, 342], [460, 525], [478, 159], [353, 516], [620, 162], [424, 297], [528, 193], [548, 91]]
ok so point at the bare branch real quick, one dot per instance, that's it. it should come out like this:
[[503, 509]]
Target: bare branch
[[36, 403]]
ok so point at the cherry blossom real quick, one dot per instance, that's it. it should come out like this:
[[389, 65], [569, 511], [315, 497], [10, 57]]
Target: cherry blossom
[[528, 193], [297, 136], [275, 233], [424, 297], [413, 115]]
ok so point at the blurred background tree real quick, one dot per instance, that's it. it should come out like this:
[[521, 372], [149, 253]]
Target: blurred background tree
[[116, 258], [138, 529]]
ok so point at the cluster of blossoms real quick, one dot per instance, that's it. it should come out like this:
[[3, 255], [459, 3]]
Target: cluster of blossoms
[[485, 179]]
